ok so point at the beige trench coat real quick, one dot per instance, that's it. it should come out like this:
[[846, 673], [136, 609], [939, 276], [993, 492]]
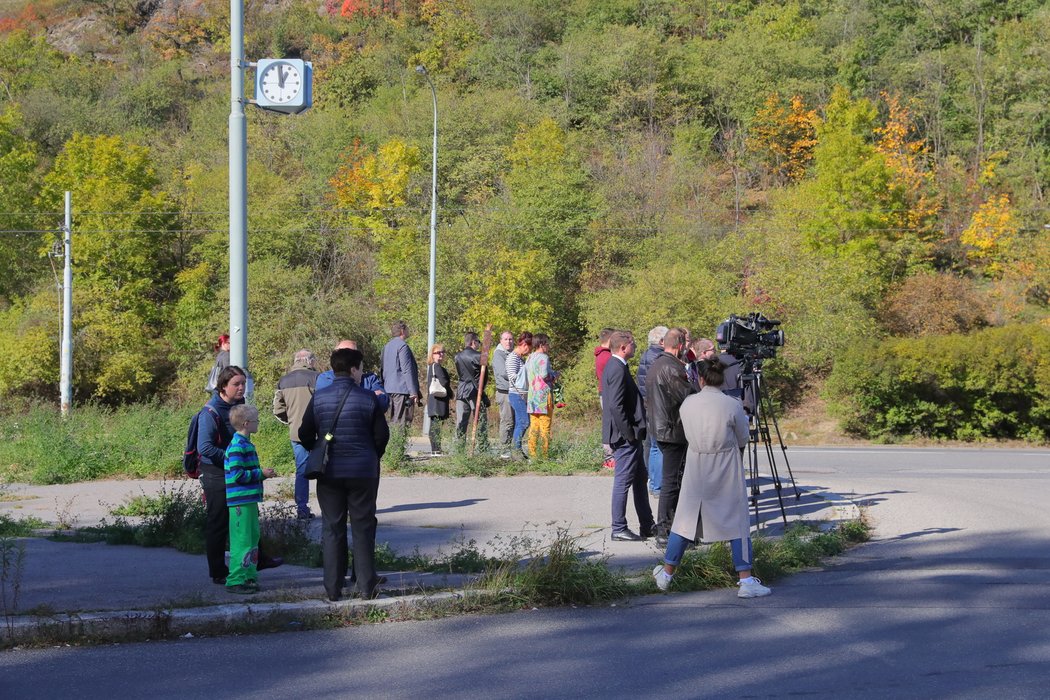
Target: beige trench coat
[[712, 505]]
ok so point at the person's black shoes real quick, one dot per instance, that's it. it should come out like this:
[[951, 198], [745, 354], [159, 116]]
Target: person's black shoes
[[219, 580], [271, 563], [626, 536]]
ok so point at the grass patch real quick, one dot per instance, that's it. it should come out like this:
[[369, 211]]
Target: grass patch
[[139, 441], [19, 527], [395, 459], [282, 534], [557, 574], [801, 546], [570, 453]]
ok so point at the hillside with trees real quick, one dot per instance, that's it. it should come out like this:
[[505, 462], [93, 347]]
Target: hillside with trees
[[873, 173]]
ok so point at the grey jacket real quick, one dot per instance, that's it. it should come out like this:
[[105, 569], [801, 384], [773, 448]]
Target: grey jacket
[[499, 369], [400, 372]]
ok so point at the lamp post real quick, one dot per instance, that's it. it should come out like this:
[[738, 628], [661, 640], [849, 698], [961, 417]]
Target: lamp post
[[432, 298], [238, 193]]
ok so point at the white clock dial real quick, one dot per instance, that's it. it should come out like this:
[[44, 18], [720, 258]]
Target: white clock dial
[[281, 82]]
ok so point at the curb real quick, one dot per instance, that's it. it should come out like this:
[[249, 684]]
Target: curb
[[141, 625]]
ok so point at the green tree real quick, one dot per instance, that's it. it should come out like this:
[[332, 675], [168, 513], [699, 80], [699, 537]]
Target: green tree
[[123, 267], [20, 263], [551, 207]]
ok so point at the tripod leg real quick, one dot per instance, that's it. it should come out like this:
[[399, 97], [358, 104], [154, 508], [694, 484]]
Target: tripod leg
[[752, 472], [763, 430], [776, 477], [783, 450]]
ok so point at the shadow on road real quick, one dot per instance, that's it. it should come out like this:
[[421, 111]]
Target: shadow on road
[[428, 506]]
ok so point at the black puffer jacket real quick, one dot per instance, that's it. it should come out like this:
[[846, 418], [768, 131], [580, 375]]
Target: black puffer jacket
[[360, 435], [668, 387]]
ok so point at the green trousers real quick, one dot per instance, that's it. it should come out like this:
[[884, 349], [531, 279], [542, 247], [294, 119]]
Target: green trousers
[[244, 544]]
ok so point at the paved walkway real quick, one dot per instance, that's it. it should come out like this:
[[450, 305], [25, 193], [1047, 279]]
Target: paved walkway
[[434, 515]]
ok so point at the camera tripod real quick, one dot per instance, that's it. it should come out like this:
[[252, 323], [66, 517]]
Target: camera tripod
[[758, 432]]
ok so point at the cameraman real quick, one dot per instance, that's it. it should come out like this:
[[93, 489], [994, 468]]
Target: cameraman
[[733, 364]]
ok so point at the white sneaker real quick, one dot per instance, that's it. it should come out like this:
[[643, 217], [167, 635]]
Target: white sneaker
[[752, 588], [663, 579]]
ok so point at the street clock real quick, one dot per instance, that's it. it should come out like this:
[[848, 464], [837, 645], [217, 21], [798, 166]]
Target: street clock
[[284, 85]]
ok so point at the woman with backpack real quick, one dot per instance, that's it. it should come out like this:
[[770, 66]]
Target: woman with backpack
[[518, 391], [214, 432]]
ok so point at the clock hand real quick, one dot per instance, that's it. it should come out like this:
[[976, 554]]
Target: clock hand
[[280, 77]]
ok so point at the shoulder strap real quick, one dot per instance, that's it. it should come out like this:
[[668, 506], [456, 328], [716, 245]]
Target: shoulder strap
[[219, 426]]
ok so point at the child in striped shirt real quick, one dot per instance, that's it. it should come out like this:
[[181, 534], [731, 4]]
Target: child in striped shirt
[[244, 491]]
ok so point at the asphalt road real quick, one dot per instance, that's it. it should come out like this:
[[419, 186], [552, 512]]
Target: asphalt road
[[950, 600]]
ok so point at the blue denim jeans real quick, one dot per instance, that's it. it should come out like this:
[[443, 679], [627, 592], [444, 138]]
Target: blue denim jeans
[[676, 545], [656, 467], [302, 484], [521, 417]]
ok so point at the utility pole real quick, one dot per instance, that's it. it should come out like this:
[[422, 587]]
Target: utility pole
[[238, 193], [432, 297], [66, 371]]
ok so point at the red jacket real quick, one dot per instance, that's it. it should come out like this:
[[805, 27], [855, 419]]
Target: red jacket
[[601, 357]]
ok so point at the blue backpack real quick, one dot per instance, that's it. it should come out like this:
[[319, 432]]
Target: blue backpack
[[191, 458]]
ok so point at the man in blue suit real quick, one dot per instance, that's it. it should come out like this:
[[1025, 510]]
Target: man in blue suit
[[623, 429]]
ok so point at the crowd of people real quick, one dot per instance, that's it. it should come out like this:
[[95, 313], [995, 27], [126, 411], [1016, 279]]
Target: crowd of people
[[676, 433]]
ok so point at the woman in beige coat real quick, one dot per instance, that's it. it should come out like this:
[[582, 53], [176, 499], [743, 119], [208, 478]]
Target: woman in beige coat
[[712, 505]]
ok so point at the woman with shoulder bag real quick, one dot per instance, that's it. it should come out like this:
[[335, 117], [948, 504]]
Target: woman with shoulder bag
[[439, 390]]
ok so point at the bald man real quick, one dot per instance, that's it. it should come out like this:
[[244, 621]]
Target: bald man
[[369, 380]]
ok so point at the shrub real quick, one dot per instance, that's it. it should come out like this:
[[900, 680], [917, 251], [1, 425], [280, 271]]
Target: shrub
[[933, 304], [993, 383]]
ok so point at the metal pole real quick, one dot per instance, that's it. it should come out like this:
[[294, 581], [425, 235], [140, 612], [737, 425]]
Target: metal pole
[[238, 193], [66, 371], [432, 298]]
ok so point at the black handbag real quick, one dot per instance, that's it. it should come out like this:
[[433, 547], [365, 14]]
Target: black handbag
[[317, 462]]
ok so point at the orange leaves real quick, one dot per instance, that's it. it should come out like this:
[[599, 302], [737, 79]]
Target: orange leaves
[[368, 8], [785, 135], [907, 160]]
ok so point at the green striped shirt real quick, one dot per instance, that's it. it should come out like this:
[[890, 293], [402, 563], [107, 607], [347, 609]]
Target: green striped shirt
[[244, 478]]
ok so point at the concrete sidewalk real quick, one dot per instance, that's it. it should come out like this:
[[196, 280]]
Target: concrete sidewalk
[[434, 515]]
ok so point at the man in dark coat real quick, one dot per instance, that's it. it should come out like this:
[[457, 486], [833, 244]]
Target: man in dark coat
[[623, 428], [650, 451], [468, 368], [350, 483], [668, 387]]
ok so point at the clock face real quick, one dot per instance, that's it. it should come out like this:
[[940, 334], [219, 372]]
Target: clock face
[[281, 82]]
